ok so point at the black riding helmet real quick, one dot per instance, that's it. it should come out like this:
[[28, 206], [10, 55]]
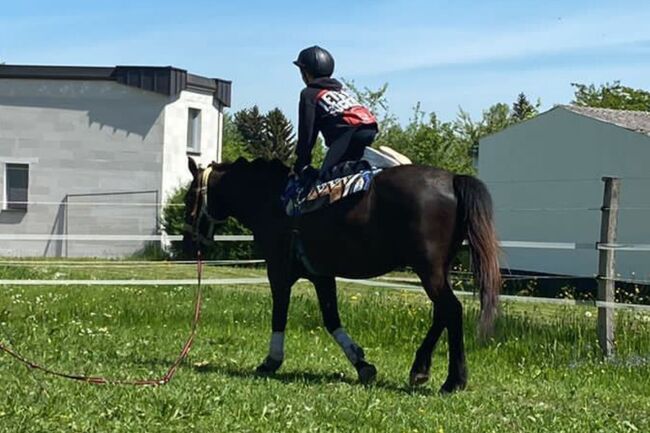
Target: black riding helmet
[[317, 61]]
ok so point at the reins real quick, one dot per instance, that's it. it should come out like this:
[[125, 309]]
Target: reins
[[100, 380]]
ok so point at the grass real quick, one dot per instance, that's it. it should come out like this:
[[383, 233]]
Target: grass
[[542, 372]]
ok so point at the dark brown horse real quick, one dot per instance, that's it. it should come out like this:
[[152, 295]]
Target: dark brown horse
[[412, 215]]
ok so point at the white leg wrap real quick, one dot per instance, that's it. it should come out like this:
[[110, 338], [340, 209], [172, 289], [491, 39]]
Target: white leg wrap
[[276, 348], [350, 348]]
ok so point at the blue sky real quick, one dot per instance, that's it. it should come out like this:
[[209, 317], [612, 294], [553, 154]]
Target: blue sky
[[444, 54]]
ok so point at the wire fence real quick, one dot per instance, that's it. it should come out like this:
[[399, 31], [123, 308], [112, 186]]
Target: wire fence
[[90, 204]]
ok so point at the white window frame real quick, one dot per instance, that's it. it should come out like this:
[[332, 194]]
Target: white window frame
[[194, 131]]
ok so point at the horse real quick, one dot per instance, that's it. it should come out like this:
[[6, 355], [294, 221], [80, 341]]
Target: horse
[[411, 215]]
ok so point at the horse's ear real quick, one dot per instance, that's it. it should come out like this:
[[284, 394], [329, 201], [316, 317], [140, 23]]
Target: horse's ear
[[240, 162], [191, 164]]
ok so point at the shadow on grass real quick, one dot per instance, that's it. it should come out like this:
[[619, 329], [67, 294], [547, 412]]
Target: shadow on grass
[[309, 377]]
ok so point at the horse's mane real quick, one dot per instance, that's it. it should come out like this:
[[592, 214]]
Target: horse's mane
[[264, 168]]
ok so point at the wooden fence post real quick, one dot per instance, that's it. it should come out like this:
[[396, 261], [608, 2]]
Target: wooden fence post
[[606, 264]]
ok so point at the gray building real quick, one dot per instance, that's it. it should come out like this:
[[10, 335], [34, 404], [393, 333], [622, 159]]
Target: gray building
[[93, 150], [545, 178]]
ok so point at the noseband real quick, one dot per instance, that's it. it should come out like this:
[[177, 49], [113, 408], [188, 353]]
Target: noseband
[[201, 213]]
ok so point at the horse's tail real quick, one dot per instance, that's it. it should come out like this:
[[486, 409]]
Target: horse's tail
[[475, 217]]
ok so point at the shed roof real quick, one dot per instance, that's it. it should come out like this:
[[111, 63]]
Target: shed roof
[[637, 121], [166, 80]]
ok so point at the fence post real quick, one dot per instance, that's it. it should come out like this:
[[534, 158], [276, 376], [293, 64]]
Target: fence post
[[606, 264]]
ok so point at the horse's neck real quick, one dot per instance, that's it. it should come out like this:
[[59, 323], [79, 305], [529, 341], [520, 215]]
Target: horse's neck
[[259, 209]]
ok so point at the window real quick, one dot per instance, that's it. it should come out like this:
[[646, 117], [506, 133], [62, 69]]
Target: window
[[194, 131], [16, 186]]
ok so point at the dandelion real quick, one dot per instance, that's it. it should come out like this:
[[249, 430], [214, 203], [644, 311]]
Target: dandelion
[[588, 314]]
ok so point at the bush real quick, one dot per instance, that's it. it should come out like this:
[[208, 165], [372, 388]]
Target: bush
[[173, 222]]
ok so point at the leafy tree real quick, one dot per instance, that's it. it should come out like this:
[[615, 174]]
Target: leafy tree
[[427, 140], [318, 153], [613, 95], [376, 101], [234, 144]]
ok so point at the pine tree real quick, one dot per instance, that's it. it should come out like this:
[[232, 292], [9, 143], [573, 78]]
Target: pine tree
[[268, 136], [280, 138], [522, 109], [251, 125]]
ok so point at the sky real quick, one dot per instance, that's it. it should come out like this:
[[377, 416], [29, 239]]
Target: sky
[[442, 54]]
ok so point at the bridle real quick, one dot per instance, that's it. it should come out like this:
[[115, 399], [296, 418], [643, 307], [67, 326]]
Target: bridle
[[200, 211]]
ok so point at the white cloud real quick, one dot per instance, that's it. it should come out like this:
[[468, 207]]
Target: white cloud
[[410, 48]]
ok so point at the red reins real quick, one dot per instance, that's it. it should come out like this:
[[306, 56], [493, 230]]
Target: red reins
[[100, 380]]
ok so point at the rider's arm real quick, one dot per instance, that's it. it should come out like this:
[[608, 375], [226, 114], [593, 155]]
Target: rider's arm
[[307, 132]]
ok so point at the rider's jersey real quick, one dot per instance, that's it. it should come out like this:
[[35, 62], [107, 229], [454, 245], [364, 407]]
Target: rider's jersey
[[325, 107]]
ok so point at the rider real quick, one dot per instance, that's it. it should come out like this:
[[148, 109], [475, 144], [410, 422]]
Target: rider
[[347, 126]]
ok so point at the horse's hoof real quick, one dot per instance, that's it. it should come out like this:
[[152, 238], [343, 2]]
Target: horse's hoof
[[451, 386], [417, 379], [268, 367], [367, 372]]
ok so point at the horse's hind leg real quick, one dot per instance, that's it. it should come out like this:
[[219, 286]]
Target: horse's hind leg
[[447, 313], [326, 292], [457, 370], [432, 284]]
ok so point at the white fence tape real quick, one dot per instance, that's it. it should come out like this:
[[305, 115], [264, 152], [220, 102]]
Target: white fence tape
[[241, 238], [93, 237]]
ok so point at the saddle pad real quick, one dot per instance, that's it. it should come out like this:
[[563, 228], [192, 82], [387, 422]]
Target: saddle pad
[[337, 189]]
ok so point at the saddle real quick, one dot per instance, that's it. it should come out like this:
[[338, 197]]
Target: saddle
[[313, 192]]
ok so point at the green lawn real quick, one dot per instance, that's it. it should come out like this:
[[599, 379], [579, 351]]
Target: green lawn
[[541, 374]]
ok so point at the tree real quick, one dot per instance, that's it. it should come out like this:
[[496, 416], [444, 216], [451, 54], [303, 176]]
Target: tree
[[376, 101], [234, 145], [522, 109], [268, 136], [613, 95], [280, 138], [427, 140], [250, 125]]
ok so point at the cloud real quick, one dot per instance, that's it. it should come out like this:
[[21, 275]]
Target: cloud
[[411, 48]]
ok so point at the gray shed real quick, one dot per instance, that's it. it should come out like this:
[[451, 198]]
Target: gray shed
[[545, 178]]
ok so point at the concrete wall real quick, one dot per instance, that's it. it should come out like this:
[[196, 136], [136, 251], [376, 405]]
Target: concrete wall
[[81, 137], [175, 132], [556, 160]]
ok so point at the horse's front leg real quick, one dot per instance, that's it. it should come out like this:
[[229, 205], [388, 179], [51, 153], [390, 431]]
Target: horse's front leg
[[281, 294], [326, 292]]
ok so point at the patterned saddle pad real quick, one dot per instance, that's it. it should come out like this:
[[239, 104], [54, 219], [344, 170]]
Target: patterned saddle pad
[[326, 192]]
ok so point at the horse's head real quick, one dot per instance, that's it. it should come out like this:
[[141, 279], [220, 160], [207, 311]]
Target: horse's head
[[201, 210], [239, 189]]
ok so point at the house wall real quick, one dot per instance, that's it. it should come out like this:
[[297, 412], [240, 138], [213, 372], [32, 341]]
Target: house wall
[[175, 133], [556, 161], [81, 137]]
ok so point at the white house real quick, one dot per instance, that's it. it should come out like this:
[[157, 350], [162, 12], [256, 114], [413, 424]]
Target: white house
[[545, 178], [94, 150]]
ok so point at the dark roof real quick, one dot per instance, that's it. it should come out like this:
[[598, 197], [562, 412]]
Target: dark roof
[[637, 121], [166, 80]]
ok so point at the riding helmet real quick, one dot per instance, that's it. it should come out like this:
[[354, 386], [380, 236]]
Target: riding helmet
[[317, 61]]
